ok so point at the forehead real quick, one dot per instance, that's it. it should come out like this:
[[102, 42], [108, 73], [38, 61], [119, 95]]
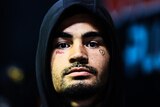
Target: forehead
[[78, 18], [79, 29]]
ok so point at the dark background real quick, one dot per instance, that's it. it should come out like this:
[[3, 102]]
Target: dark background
[[19, 29], [138, 29]]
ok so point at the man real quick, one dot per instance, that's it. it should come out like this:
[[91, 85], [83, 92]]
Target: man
[[76, 57]]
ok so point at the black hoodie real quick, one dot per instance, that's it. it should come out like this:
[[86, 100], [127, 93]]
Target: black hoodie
[[59, 11]]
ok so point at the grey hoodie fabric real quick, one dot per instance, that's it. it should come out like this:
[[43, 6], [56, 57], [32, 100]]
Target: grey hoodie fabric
[[59, 11]]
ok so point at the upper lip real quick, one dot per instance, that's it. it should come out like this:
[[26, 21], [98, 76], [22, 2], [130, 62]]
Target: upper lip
[[78, 69]]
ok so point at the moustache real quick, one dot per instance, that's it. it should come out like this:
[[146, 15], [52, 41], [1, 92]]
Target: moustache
[[90, 69]]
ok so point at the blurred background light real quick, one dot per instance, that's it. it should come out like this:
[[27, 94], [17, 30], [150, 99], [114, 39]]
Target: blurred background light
[[4, 102], [16, 74]]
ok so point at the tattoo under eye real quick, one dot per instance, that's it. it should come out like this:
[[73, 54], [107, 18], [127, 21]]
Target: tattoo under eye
[[102, 52], [59, 52]]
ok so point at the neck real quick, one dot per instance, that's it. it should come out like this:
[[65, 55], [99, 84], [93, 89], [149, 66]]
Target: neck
[[82, 103], [90, 102]]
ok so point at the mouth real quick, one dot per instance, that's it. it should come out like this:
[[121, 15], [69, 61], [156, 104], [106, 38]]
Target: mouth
[[80, 72]]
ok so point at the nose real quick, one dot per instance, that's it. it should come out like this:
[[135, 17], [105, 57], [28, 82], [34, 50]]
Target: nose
[[79, 54]]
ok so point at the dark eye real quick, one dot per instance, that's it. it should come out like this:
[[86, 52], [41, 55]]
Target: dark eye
[[92, 44], [63, 45]]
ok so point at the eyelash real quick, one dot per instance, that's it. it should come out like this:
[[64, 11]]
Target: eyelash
[[90, 44], [61, 45]]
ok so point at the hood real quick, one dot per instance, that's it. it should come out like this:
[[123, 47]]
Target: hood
[[60, 10]]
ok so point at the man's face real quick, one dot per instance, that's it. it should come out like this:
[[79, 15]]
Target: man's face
[[79, 58]]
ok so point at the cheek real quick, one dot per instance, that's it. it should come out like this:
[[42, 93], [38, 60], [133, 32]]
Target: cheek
[[58, 58], [58, 63], [99, 59]]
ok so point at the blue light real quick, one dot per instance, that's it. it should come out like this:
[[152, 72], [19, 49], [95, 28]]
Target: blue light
[[157, 62], [136, 52], [147, 65], [130, 56]]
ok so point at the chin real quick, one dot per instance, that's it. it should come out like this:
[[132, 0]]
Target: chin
[[80, 89]]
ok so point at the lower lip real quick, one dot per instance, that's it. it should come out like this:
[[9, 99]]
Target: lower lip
[[82, 73]]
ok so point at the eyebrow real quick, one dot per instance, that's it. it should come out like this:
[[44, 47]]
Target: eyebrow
[[91, 34], [65, 35], [85, 35]]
